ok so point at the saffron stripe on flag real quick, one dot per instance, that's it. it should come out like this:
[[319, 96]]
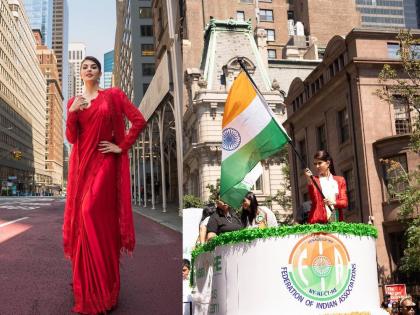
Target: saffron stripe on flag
[[234, 168], [239, 98]]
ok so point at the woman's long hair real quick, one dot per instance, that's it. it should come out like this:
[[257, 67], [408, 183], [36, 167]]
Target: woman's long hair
[[325, 156], [247, 216], [208, 210]]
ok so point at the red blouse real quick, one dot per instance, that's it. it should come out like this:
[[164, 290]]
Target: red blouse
[[318, 214]]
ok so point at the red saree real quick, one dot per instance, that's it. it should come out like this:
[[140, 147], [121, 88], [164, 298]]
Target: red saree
[[98, 220]]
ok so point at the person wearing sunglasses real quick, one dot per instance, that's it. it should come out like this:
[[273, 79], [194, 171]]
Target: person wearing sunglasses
[[407, 306]]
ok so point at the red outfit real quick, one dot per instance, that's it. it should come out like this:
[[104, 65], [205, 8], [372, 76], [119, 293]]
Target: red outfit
[[98, 220], [318, 214]]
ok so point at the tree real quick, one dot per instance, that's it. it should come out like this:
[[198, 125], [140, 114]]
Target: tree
[[283, 196], [214, 191], [402, 84]]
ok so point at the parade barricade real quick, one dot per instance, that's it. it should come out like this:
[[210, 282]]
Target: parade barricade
[[300, 269]]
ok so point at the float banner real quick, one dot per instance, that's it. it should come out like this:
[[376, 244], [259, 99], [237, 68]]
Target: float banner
[[319, 273]]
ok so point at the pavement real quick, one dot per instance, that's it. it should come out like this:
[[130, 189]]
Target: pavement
[[35, 277], [170, 218]]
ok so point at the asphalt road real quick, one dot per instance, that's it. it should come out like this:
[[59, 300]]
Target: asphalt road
[[35, 277]]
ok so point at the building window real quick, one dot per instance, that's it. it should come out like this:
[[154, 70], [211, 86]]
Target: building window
[[145, 13], [321, 137], [258, 184], [271, 35], [247, 1], [146, 30], [240, 15], [402, 115], [145, 87], [266, 15], [394, 170], [271, 53], [348, 176], [415, 51], [343, 125], [147, 50], [303, 154], [393, 50], [148, 69]]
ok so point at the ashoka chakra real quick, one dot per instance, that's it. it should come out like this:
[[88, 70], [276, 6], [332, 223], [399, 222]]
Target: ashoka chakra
[[321, 266], [231, 139]]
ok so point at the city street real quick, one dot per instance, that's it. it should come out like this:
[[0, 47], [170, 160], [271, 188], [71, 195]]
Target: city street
[[36, 278]]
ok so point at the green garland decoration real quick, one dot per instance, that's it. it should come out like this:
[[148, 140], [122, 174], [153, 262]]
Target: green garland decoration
[[248, 235]]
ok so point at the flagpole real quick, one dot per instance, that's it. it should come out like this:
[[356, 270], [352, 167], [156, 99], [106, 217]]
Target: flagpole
[[288, 139]]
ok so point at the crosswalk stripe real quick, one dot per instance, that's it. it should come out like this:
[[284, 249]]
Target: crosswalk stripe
[[11, 222]]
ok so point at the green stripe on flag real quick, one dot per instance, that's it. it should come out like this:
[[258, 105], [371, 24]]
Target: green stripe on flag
[[270, 140]]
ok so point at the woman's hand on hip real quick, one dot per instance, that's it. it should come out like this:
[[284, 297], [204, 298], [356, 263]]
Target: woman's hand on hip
[[108, 147], [79, 103]]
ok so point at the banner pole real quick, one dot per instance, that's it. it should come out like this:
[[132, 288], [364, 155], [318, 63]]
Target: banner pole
[[288, 138]]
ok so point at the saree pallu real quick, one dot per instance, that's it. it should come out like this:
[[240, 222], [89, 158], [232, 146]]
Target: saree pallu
[[98, 222]]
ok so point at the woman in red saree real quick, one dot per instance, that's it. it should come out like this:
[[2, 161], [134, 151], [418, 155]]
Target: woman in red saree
[[333, 188], [98, 222]]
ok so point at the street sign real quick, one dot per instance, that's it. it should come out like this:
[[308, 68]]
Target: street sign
[[396, 291]]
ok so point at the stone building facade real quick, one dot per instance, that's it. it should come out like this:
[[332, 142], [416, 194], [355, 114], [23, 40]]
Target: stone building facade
[[278, 17], [54, 117], [208, 86], [336, 108]]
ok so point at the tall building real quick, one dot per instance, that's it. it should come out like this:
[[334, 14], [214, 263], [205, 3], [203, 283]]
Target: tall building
[[388, 14], [336, 108], [208, 88], [40, 14], [54, 117], [22, 105], [134, 48], [108, 68], [76, 53], [156, 158], [287, 23], [51, 18], [60, 29]]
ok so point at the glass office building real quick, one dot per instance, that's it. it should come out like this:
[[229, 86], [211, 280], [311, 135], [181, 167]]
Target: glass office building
[[389, 13], [40, 14], [108, 68]]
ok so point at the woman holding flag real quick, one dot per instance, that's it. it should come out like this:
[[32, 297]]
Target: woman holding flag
[[333, 188]]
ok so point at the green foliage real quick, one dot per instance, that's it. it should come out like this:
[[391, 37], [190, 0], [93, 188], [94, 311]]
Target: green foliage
[[191, 201], [214, 191], [404, 81], [283, 196]]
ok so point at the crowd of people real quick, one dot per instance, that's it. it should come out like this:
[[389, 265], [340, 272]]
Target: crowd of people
[[405, 306]]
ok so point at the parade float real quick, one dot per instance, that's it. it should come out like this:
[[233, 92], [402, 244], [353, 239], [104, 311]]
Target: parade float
[[299, 269]]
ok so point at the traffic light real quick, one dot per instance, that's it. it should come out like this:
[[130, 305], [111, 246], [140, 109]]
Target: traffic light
[[17, 155]]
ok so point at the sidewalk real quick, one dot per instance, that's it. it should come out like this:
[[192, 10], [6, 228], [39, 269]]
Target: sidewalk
[[170, 218]]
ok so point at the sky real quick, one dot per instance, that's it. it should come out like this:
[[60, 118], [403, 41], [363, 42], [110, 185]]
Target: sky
[[93, 23]]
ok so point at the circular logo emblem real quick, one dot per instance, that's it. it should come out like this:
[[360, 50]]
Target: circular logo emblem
[[231, 139], [319, 267]]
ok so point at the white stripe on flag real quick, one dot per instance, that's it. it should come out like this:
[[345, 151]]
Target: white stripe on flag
[[251, 178], [249, 124]]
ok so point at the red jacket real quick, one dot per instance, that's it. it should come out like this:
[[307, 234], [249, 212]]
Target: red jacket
[[318, 213]]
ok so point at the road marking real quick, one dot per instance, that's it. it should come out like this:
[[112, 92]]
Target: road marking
[[11, 222]]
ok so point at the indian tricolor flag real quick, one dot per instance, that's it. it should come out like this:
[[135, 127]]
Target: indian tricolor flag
[[251, 133]]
